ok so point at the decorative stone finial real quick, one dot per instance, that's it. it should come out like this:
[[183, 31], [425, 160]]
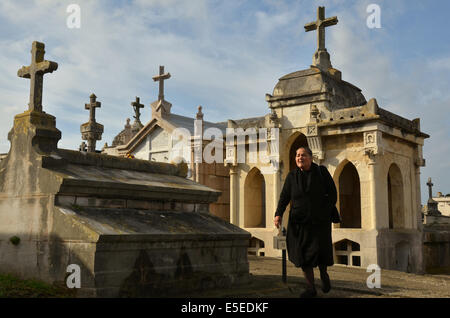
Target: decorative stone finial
[[199, 115], [314, 113], [273, 116]]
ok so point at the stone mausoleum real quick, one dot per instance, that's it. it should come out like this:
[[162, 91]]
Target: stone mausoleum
[[373, 155]]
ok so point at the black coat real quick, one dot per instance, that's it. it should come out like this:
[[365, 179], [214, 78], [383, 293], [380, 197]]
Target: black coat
[[309, 228], [312, 203]]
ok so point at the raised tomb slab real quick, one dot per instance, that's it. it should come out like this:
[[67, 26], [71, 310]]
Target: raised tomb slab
[[135, 228]]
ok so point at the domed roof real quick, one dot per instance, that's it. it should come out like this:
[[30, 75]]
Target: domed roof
[[315, 85]]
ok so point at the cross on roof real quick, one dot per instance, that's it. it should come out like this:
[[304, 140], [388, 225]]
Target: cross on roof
[[161, 77], [320, 26], [430, 186], [91, 106], [35, 72], [136, 106]]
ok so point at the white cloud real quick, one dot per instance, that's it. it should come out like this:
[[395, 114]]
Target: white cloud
[[222, 55], [418, 91]]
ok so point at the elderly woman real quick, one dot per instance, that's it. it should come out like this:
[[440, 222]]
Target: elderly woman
[[312, 194]]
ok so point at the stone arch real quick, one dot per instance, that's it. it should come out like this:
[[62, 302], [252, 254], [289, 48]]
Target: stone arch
[[396, 200], [338, 170], [349, 195], [347, 252], [254, 199], [294, 142]]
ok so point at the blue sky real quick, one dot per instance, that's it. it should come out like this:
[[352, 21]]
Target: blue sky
[[225, 56]]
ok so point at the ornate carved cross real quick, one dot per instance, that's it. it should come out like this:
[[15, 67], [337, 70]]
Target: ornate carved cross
[[320, 26], [161, 77], [35, 72]]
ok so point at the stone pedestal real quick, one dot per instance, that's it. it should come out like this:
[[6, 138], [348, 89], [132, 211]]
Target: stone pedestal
[[92, 132], [321, 59]]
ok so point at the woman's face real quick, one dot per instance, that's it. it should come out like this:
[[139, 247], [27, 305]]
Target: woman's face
[[303, 159]]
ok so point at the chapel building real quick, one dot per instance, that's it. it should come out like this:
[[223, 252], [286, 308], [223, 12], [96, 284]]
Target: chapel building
[[373, 155]]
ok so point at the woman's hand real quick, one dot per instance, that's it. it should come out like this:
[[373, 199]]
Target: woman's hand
[[277, 221]]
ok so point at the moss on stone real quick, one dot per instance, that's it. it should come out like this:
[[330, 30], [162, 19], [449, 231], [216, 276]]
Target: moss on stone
[[15, 240], [14, 287]]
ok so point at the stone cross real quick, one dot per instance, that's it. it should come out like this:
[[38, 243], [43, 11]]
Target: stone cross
[[430, 186], [320, 26], [161, 77], [91, 131], [91, 106], [432, 206], [136, 106], [35, 72]]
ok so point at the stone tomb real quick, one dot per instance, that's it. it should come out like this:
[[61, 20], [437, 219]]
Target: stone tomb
[[134, 227]]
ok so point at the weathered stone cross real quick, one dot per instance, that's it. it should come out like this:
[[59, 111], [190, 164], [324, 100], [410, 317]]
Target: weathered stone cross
[[91, 106], [432, 206], [91, 131], [136, 106], [35, 72], [161, 77], [430, 187], [320, 26]]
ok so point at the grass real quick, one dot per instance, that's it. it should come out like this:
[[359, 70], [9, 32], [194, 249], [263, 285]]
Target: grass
[[13, 287]]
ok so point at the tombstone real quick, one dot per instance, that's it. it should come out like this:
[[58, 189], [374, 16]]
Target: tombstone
[[134, 227]]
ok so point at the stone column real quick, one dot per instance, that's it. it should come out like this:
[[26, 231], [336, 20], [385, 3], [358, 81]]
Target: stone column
[[419, 161], [418, 224], [374, 149], [234, 186], [373, 172], [276, 192]]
